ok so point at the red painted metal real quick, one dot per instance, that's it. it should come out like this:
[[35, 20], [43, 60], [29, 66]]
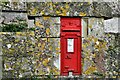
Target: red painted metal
[[70, 61]]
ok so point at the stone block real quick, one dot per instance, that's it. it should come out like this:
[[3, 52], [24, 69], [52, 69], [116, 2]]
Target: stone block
[[13, 5], [47, 27], [13, 22]]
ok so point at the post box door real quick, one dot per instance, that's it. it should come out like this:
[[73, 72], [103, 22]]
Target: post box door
[[70, 55], [70, 50]]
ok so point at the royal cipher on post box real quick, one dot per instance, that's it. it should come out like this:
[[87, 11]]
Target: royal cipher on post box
[[70, 46]]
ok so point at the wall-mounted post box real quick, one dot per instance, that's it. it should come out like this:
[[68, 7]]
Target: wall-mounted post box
[[70, 45]]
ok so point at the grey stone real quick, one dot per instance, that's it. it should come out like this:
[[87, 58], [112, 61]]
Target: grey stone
[[112, 25], [84, 26], [13, 5], [0, 67], [31, 24], [97, 9]]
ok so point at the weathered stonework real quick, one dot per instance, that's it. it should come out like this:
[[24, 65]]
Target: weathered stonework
[[20, 46], [34, 49], [47, 27], [13, 22], [14, 5], [98, 9]]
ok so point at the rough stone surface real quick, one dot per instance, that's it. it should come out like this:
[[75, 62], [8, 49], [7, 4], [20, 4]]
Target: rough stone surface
[[34, 50], [108, 25], [98, 9], [13, 22], [26, 57], [59, 9], [0, 67], [47, 27], [88, 8], [14, 5], [105, 9]]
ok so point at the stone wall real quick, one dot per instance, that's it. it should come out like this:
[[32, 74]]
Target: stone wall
[[30, 38]]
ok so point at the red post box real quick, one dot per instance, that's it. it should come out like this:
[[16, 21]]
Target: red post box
[[70, 45]]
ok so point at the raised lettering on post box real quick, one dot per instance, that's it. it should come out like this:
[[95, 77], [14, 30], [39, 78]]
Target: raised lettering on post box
[[70, 41]]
